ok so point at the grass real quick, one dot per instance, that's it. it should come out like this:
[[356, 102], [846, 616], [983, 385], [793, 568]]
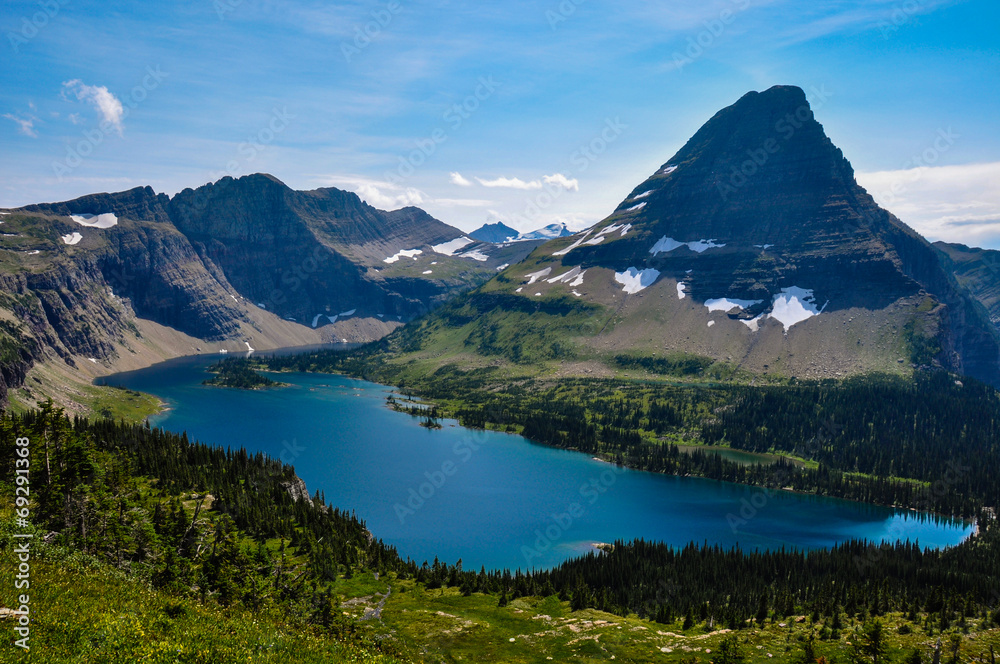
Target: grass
[[448, 627], [83, 610], [86, 611], [88, 399], [121, 404]]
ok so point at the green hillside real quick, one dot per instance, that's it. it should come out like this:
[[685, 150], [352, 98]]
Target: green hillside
[[146, 547]]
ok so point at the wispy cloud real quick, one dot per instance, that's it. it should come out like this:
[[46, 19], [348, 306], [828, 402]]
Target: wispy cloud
[[456, 178], [107, 105], [510, 183], [950, 203], [836, 16], [570, 184], [25, 126], [389, 196]]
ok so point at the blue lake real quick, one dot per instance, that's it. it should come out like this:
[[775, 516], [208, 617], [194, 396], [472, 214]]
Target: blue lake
[[490, 498]]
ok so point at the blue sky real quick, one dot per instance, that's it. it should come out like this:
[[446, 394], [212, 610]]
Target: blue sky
[[472, 110]]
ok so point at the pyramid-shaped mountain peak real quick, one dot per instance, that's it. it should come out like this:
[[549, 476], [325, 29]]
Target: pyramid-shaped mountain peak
[[754, 245]]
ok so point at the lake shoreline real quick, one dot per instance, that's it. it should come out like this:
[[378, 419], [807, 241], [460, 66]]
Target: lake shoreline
[[325, 386]]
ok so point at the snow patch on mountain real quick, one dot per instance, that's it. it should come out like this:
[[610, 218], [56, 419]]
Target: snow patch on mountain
[[565, 276], [789, 307], [549, 232], [475, 255], [577, 243], [403, 253], [667, 244], [794, 305], [449, 248], [634, 280], [105, 220], [72, 238], [535, 276], [728, 304]]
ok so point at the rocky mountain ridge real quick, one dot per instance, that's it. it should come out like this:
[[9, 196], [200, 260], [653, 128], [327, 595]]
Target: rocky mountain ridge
[[234, 265], [752, 247]]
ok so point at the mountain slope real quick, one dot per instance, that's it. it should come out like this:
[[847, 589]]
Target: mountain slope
[[120, 280], [978, 271], [754, 247]]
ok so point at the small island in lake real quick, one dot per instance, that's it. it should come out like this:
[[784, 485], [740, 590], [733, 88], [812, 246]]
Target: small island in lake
[[235, 372]]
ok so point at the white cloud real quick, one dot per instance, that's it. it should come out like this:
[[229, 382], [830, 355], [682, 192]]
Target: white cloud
[[950, 203], [374, 196], [510, 183], [25, 126], [107, 104], [456, 178], [388, 196], [566, 183], [558, 179]]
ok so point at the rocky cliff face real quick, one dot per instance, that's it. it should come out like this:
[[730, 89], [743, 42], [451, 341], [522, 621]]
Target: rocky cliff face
[[314, 255], [978, 272], [238, 261], [753, 245], [65, 311]]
